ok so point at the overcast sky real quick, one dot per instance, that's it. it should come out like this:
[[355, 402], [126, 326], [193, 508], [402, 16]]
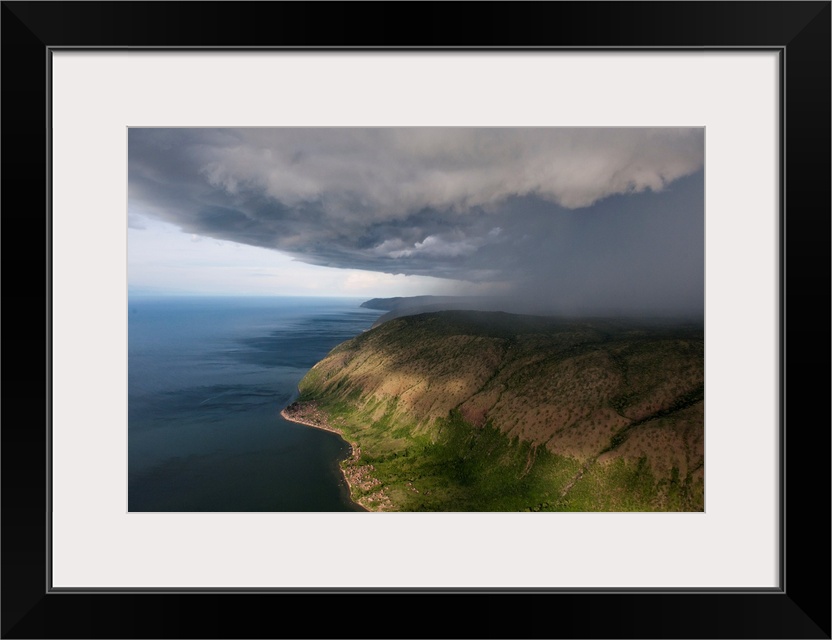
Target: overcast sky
[[576, 220]]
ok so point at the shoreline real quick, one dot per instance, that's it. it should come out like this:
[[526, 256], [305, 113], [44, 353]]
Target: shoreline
[[355, 475], [306, 423]]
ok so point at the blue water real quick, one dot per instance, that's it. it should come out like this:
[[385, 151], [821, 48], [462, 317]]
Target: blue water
[[207, 380]]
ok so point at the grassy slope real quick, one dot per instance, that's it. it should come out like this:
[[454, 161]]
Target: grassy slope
[[476, 411]]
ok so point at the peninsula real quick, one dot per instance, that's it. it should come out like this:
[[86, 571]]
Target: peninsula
[[491, 411]]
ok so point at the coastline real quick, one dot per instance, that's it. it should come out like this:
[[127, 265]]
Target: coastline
[[307, 423], [357, 477]]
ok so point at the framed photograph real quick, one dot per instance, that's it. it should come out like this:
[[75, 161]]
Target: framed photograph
[[667, 159]]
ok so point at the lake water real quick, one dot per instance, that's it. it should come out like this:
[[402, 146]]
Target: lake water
[[207, 380]]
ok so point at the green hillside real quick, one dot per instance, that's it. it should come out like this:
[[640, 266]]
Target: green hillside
[[489, 411]]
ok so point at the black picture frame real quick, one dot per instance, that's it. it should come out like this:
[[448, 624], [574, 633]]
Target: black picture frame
[[799, 31]]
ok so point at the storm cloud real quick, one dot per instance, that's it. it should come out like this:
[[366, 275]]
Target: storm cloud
[[587, 219]]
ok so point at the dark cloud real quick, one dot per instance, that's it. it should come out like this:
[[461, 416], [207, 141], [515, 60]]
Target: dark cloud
[[580, 219]]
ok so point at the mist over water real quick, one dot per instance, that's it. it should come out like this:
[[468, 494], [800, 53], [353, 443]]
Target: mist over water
[[207, 380]]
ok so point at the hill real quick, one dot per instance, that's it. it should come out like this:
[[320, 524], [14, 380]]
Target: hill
[[490, 411]]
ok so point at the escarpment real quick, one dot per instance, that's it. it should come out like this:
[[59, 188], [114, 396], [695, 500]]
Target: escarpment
[[523, 411]]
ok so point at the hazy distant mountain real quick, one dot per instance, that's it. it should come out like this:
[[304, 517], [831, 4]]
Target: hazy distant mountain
[[484, 411], [389, 304], [412, 305]]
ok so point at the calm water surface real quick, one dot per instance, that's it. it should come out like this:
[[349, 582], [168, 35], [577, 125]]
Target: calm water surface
[[207, 380]]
